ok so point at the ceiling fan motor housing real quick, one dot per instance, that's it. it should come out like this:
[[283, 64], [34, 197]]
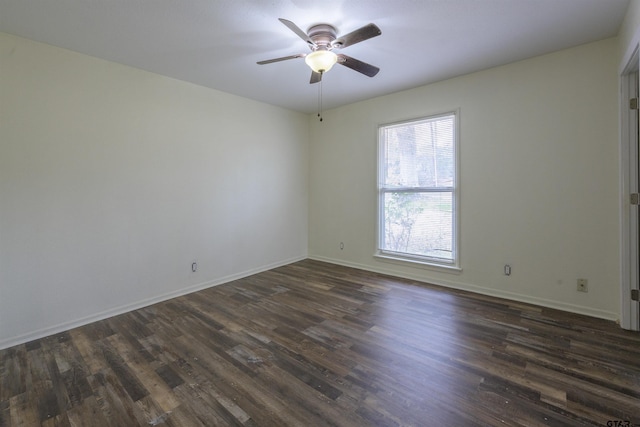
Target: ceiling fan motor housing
[[322, 35]]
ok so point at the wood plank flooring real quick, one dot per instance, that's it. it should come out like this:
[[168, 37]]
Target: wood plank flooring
[[315, 344]]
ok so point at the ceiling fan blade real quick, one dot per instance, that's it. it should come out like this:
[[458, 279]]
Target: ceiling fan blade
[[315, 77], [293, 27], [284, 58], [359, 66], [361, 34]]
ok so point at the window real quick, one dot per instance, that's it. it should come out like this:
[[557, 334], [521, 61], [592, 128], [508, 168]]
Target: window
[[417, 190]]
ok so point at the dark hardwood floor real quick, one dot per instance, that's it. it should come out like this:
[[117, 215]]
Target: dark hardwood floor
[[314, 344]]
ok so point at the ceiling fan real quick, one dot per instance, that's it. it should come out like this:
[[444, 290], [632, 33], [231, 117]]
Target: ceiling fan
[[322, 40]]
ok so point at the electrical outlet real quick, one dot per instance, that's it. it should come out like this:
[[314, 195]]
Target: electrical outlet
[[583, 285], [194, 267]]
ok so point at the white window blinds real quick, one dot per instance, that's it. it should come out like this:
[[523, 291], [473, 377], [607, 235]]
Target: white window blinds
[[417, 184]]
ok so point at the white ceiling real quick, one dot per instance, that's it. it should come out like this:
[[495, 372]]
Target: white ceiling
[[216, 43]]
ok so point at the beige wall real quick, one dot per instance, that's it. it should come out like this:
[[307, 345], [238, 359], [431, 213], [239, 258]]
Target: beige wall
[[629, 32], [539, 179], [114, 180]]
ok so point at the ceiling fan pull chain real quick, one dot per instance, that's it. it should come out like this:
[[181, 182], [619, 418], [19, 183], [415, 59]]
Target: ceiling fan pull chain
[[320, 98]]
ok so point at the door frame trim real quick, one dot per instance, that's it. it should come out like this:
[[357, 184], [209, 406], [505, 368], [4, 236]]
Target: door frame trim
[[629, 232]]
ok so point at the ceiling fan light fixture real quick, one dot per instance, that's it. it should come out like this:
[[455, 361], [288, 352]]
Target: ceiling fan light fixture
[[321, 61]]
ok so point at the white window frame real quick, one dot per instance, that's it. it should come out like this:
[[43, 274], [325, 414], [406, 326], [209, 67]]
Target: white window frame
[[415, 259]]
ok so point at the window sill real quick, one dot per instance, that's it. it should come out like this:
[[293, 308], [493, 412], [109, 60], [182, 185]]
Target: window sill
[[418, 263]]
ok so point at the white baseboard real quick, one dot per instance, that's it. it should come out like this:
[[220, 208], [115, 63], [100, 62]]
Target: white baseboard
[[572, 308], [65, 326]]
